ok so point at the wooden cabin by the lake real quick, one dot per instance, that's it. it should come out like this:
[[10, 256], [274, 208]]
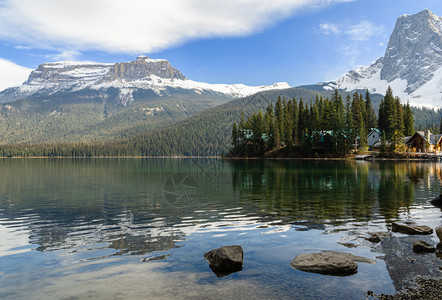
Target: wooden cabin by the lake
[[425, 141]]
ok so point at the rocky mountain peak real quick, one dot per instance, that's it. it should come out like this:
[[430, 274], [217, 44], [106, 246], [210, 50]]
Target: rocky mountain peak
[[414, 50], [143, 67], [411, 66]]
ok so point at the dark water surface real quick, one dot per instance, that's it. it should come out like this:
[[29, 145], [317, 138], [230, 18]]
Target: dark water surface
[[138, 228]]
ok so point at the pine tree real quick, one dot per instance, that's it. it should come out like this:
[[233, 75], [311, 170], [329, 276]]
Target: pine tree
[[288, 124], [295, 122], [348, 114], [301, 121], [381, 116], [279, 122], [370, 119], [390, 114], [400, 127], [408, 120], [440, 126], [315, 118], [258, 130], [270, 127], [358, 113], [235, 135]]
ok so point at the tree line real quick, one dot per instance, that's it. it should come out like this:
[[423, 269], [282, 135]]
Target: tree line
[[327, 126]]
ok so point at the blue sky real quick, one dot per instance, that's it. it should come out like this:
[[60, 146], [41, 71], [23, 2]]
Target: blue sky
[[254, 42]]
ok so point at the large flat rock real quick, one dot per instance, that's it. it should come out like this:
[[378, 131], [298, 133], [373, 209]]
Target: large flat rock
[[328, 263], [411, 229]]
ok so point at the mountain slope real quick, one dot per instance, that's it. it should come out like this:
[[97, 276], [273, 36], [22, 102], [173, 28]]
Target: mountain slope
[[412, 64], [208, 133]]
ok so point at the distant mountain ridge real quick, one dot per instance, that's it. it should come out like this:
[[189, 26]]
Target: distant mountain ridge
[[144, 73], [87, 101], [412, 64]]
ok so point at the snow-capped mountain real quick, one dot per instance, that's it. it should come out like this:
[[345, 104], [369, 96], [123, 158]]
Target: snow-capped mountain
[[412, 64], [142, 74]]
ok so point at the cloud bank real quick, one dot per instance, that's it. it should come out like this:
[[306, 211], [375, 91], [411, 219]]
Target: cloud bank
[[12, 74], [133, 26]]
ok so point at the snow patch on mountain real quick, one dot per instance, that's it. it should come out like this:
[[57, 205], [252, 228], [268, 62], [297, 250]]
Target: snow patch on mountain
[[143, 73], [158, 85]]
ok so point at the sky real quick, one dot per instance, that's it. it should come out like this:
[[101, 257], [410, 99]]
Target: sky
[[254, 42]]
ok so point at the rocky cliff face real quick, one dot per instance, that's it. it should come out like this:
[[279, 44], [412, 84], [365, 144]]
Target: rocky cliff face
[[412, 64], [414, 51], [141, 68], [144, 73]]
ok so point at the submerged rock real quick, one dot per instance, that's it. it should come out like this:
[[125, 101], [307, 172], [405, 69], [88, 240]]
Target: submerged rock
[[225, 260], [437, 201], [439, 250], [422, 247], [439, 233], [155, 258], [377, 237], [327, 263], [403, 264], [348, 245], [411, 229]]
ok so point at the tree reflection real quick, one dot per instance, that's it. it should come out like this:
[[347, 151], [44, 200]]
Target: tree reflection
[[332, 190]]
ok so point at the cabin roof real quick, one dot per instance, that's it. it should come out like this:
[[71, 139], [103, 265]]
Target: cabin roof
[[374, 130]]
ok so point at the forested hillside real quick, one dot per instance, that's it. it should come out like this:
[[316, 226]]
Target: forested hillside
[[89, 116], [152, 132]]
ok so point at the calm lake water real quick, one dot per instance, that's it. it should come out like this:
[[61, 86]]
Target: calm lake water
[[138, 228]]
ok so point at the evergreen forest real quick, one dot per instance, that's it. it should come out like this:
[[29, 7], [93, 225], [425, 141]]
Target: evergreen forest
[[325, 127]]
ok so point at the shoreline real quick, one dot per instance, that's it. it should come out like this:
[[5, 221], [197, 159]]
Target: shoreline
[[374, 159]]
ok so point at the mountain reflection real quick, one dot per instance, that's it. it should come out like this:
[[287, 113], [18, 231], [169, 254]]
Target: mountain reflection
[[139, 206]]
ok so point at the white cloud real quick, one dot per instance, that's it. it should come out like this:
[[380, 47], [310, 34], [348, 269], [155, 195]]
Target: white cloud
[[329, 29], [12, 74], [65, 55], [362, 31], [134, 26]]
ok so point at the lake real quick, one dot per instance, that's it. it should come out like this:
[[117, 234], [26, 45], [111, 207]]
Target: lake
[[139, 228]]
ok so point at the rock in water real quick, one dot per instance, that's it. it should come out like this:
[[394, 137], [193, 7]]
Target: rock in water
[[439, 250], [439, 233], [411, 229], [226, 259], [327, 263], [422, 247], [437, 201], [377, 237]]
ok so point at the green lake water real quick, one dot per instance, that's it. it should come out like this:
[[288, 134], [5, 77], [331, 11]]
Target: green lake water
[[139, 228]]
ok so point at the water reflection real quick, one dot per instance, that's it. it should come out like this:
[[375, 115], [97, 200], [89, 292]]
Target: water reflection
[[325, 191], [141, 206], [95, 209]]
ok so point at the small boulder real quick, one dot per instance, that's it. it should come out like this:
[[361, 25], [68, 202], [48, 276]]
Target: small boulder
[[439, 233], [377, 237], [327, 263], [439, 250], [411, 229], [422, 247], [437, 201], [225, 260]]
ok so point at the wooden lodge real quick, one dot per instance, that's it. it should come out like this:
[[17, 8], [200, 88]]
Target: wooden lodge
[[425, 141]]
